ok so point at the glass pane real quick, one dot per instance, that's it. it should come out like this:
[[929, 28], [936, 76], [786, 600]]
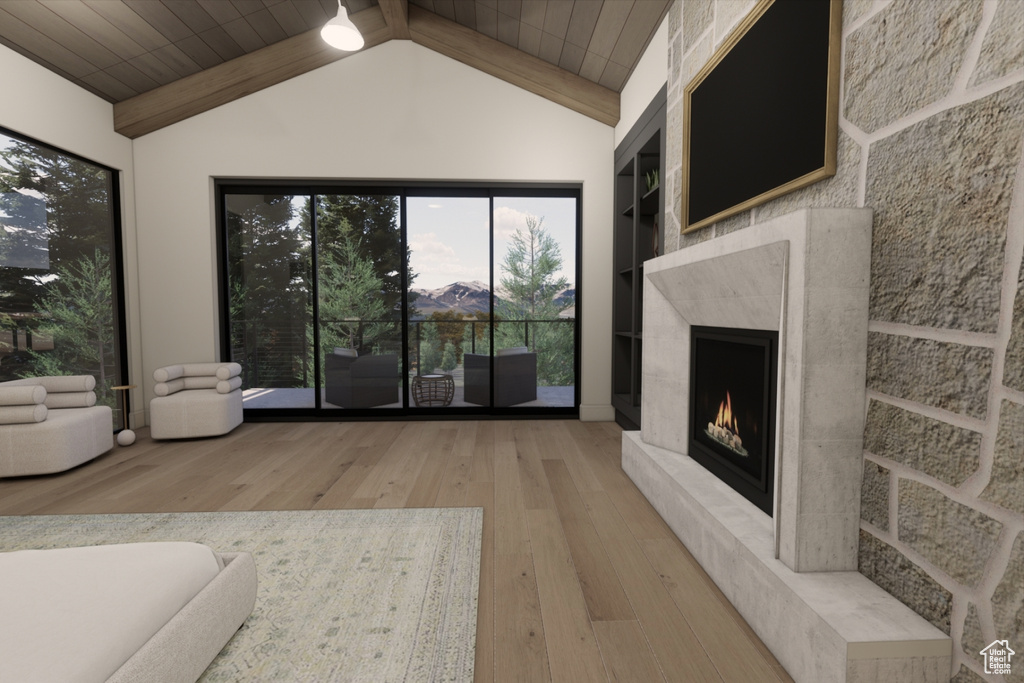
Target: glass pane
[[535, 309], [271, 307], [449, 300], [58, 303], [359, 262]]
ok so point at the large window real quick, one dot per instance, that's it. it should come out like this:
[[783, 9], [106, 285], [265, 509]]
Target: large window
[[61, 299], [401, 300]]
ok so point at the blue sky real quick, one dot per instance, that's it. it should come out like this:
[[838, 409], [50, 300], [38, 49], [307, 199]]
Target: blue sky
[[449, 241]]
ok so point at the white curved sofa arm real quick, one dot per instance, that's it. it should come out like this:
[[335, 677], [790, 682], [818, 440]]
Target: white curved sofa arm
[[57, 384], [62, 391], [224, 377], [222, 371], [21, 394], [22, 404]]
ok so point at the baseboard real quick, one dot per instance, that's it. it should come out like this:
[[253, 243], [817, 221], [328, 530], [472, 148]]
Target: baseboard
[[597, 413]]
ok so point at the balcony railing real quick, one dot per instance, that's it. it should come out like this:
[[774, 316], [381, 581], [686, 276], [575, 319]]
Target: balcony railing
[[277, 352]]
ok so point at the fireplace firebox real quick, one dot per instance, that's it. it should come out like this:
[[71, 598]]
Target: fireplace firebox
[[733, 374]]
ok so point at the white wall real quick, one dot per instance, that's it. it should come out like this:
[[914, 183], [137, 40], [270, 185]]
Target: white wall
[[42, 105], [644, 83], [396, 111]]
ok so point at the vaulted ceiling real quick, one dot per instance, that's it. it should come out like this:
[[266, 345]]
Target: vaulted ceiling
[[161, 61]]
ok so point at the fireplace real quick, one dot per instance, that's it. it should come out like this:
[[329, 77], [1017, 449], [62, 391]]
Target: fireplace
[[732, 398], [803, 277]]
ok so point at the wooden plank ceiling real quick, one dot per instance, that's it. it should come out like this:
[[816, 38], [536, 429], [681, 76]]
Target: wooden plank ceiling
[[161, 61]]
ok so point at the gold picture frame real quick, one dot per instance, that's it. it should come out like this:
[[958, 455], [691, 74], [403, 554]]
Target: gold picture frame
[[761, 119]]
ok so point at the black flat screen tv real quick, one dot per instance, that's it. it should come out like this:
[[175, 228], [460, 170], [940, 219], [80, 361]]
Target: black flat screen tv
[[761, 118]]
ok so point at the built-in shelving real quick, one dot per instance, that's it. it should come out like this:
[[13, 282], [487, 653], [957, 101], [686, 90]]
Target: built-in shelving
[[638, 236]]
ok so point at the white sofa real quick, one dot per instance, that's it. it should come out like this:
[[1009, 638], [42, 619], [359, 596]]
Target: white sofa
[[51, 424], [195, 400], [125, 613]]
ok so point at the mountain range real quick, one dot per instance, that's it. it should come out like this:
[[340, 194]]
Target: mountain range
[[467, 298], [460, 297]]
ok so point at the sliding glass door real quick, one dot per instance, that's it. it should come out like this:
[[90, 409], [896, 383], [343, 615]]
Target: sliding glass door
[[535, 311], [449, 298], [359, 313], [415, 300], [270, 298]]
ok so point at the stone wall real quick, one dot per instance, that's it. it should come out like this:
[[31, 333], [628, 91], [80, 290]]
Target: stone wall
[[931, 137]]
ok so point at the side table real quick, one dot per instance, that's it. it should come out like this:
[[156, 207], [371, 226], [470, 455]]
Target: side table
[[433, 390]]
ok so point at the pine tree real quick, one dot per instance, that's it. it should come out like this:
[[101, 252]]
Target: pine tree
[[60, 209], [80, 321], [528, 274], [450, 327], [269, 276], [352, 311], [480, 330], [448, 361], [531, 285], [371, 223], [430, 348]]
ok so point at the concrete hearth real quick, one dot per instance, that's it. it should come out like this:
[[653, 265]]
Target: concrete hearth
[[793, 577]]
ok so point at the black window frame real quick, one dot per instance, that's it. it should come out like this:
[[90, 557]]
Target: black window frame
[[116, 266], [403, 189]]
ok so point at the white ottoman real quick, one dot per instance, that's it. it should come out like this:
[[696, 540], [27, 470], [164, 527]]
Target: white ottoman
[[194, 413]]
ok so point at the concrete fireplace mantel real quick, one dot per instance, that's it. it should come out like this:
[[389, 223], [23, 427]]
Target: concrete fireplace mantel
[[792, 576], [804, 275]]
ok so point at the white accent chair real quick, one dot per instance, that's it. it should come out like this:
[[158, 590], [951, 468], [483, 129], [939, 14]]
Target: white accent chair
[[195, 400], [51, 424]]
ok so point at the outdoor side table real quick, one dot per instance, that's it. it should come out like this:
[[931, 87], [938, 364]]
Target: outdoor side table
[[433, 390]]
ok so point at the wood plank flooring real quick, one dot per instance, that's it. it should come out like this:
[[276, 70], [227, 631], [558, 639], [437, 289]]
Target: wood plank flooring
[[581, 580]]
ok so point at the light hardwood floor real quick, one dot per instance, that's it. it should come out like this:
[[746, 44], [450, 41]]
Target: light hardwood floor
[[581, 580]]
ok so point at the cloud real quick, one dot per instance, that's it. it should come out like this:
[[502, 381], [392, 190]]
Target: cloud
[[427, 243], [507, 220], [437, 264]]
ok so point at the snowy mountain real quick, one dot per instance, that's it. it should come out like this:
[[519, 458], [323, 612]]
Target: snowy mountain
[[461, 297], [469, 297]]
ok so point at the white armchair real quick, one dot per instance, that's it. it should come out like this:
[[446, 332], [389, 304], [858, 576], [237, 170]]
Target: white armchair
[[196, 400], [51, 424]]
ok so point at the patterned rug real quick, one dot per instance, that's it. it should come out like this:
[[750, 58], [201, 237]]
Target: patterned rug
[[344, 595]]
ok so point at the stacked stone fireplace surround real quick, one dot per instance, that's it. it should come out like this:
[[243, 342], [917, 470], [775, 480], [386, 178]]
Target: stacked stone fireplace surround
[[931, 138]]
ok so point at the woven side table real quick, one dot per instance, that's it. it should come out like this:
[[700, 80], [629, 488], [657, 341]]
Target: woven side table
[[433, 390]]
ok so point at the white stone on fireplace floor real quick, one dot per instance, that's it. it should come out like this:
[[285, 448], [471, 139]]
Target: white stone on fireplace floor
[[823, 627], [793, 578]]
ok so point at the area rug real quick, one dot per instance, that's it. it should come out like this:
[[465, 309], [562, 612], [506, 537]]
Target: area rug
[[344, 595]]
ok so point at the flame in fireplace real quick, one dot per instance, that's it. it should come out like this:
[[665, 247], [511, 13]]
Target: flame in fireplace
[[726, 428], [725, 417]]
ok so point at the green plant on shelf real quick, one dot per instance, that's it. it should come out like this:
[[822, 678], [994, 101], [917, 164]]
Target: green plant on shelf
[[652, 180]]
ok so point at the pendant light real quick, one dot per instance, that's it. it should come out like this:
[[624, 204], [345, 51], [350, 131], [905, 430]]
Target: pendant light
[[341, 33]]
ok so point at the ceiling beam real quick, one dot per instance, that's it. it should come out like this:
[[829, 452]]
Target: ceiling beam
[[396, 14], [509, 64], [239, 77]]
